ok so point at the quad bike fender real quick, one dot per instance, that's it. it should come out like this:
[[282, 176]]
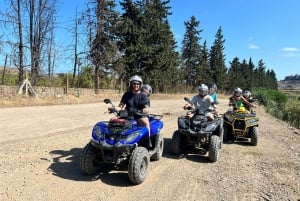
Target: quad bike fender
[[102, 145]]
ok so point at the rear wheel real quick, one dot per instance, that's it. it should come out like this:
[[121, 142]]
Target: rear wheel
[[254, 135], [176, 143], [138, 165], [221, 134], [225, 133], [213, 152], [159, 146], [90, 160]]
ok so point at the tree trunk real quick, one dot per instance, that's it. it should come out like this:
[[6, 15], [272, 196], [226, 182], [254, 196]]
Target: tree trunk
[[21, 53]]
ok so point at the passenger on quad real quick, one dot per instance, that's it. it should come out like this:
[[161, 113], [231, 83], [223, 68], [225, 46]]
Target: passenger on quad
[[212, 89], [249, 98], [238, 102], [213, 92], [202, 101], [147, 89]]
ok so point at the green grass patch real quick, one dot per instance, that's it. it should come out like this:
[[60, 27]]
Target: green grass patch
[[282, 106]]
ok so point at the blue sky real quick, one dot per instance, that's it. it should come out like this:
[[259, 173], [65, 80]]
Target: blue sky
[[260, 29]]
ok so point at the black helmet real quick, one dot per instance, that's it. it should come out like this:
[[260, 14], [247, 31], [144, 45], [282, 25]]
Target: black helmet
[[147, 88], [212, 86]]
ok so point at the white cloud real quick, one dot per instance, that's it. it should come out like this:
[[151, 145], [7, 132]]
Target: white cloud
[[252, 46], [290, 49]]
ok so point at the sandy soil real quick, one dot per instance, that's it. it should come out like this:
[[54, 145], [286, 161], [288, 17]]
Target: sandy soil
[[40, 148]]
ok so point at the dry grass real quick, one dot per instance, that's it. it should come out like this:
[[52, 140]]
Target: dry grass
[[22, 100]]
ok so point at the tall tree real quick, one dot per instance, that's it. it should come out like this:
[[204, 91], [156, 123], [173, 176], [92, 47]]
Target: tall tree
[[41, 24], [234, 76], [147, 42], [260, 74], [205, 73], [191, 51], [217, 59], [131, 38], [12, 17], [103, 48], [160, 60]]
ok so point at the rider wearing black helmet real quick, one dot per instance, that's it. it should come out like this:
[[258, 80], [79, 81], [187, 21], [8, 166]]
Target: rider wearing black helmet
[[147, 89]]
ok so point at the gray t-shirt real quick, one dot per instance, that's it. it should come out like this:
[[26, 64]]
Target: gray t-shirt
[[202, 103]]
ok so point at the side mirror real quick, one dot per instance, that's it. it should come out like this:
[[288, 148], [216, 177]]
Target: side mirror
[[107, 101], [187, 99]]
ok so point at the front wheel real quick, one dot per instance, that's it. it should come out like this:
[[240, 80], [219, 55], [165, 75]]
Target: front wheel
[[138, 165], [90, 160], [214, 144], [221, 135], [254, 135], [159, 147], [226, 133], [176, 143]]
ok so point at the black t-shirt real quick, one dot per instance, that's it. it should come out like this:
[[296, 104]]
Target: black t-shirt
[[134, 102]]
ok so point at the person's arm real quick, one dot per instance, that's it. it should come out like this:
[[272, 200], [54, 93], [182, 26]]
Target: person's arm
[[230, 103], [189, 104], [247, 102]]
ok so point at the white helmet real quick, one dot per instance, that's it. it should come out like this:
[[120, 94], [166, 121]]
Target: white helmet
[[238, 91], [135, 78], [247, 93], [147, 88], [203, 87]]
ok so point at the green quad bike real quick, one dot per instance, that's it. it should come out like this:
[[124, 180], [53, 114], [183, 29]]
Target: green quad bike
[[239, 124]]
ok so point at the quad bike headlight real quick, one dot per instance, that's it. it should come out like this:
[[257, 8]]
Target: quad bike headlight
[[132, 137], [210, 127], [97, 133]]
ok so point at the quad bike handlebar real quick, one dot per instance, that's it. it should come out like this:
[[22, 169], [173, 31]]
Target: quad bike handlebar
[[124, 113]]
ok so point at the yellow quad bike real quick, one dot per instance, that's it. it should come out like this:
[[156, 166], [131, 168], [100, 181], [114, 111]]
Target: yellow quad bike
[[240, 124]]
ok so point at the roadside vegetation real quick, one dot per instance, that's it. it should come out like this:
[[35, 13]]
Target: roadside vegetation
[[282, 106]]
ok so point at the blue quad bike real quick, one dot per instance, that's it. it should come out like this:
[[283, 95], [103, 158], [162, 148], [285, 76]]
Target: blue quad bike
[[196, 131], [121, 141]]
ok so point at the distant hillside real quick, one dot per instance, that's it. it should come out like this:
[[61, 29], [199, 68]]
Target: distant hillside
[[292, 78], [291, 82]]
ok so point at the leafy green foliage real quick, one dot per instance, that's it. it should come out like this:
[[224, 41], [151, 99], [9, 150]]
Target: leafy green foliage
[[280, 105], [269, 96], [86, 77], [292, 111], [9, 79]]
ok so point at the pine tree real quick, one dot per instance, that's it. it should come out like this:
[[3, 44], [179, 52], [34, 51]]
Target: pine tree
[[148, 43], [103, 48], [191, 52], [234, 75], [217, 59]]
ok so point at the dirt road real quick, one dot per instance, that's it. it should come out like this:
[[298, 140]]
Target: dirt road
[[40, 149]]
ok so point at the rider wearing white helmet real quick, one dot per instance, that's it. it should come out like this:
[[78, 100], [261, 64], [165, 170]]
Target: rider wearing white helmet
[[133, 100], [202, 101], [248, 97], [238, 102], [136, 102]]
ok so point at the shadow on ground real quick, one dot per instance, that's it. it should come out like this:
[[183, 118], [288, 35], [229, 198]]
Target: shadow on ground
[[66, 164]]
